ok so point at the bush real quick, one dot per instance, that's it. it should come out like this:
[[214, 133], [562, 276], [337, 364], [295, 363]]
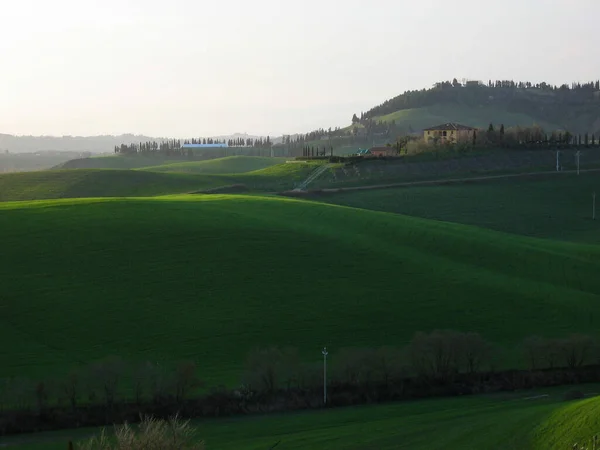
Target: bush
[[153, 434]]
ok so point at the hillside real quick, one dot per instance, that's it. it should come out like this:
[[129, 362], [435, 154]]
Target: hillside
[[97, 183], [575, 108], [227, 165], [575, 423], [138, 183], [212, 277], [555, 207], [115, 162]]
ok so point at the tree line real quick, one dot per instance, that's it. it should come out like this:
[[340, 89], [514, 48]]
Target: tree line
[[442, 362]]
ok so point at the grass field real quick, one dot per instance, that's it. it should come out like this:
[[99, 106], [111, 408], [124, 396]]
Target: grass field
[[495, 422], [96, 182], [419, 118], [116, 162], [211, 277], [228, 165], [558, 208], [131, 183]]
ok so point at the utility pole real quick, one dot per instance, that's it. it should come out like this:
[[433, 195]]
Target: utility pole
[[325, 353], [594, 206], [557, 160], [577, 154]]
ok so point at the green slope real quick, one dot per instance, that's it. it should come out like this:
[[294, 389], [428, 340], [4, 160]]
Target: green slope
[[476, 116], [138, 183], [211, 277], [115, 162], [557, 208], [230, 164], [492, 422], [96, 182], [575, 423]]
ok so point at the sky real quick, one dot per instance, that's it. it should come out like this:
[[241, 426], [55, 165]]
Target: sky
[[183, 68]]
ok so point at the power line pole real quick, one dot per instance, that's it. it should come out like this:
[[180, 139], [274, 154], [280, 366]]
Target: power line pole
[[557, 160], [594, 206], [325, 353], [577, 154]]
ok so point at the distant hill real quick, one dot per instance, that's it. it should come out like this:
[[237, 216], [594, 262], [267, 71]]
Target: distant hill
[[93, 144], [573, 107]]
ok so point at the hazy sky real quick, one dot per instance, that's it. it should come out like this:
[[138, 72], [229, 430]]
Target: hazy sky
[[198, 67]]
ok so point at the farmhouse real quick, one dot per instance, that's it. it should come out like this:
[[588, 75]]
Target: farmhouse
[[382, 151], [449, 132]]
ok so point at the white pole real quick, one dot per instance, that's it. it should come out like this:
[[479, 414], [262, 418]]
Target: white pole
[[324, 375]]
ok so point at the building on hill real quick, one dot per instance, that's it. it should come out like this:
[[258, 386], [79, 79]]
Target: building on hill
[[382, 151], [449, 133]]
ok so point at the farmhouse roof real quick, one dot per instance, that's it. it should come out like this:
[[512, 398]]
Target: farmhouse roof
[[449, 126]]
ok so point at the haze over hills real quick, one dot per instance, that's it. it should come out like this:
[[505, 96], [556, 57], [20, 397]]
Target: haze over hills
[[92, 144], [574, 107]]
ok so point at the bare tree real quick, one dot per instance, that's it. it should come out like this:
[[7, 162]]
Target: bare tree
[[70, 387], [106, 375], [533, 348], [436, 354], [577, 350], [186, 380], [262, 369], [473, 350]]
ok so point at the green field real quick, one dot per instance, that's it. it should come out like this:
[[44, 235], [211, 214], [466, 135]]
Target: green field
[[97, 182], [558, 208], [495, 422], [475, 116], [116, 162], [211, 277], [77, 183], [230, 164]]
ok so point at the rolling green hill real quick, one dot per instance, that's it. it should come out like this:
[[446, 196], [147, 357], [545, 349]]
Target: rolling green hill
[[556, 208], [138, 183], [478, 116], [227, 165], [575, 108], [97, 182], [115, 162], [211, 277]]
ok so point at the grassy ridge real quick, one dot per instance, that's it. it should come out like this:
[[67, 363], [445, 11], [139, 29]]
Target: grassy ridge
[[138, 183], [475, 116], [493, 422], [115, 162], [96, 182], [211, 277], [230, 164], [559, 208]]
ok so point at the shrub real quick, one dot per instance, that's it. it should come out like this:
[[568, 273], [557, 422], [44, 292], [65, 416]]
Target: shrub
[[153, 434]]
